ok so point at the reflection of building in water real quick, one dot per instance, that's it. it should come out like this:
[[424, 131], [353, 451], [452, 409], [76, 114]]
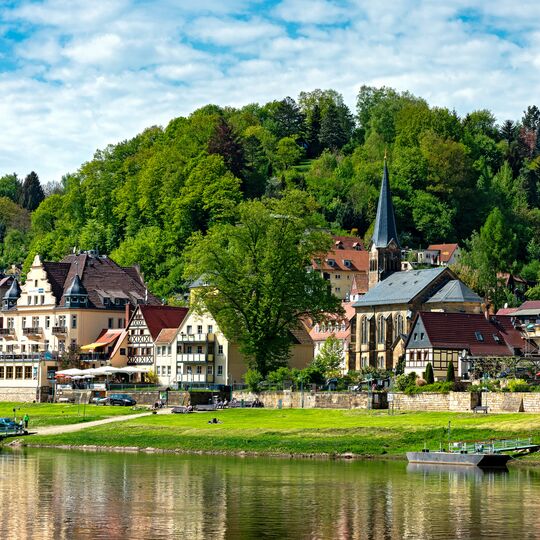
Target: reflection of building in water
[[74, 495]]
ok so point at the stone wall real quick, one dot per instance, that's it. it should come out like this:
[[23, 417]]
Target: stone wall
[[428, 401], [531, 402], [499, 402], [25, 395], [314, 400]]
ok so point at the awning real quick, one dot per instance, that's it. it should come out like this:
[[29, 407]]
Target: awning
[[106, 338], [92, 346]]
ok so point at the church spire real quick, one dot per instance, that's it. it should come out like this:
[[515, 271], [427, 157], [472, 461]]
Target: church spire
[[385, 223]]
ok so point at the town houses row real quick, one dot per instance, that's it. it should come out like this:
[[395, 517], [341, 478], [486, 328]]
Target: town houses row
[[89, 309]]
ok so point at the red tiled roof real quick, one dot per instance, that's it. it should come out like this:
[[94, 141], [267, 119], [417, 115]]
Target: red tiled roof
[[359, 261], [159, 317], [529, 304], [507, 311], [446, 250], [166, 335], [458, 331], [348, 242]]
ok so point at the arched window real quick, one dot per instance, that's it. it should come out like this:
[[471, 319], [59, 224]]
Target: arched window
[[381, 334], [399, 324], [364, 330]]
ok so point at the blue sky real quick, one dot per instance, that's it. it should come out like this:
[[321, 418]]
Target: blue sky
[[77, 75]]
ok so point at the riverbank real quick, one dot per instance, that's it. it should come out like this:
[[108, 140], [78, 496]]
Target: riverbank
[[295, 432]]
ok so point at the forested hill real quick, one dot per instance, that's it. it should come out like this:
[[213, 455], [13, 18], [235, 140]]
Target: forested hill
[[140, 200]]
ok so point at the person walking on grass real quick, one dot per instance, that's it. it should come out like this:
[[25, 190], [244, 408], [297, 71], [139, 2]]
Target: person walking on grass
[[26, 419]]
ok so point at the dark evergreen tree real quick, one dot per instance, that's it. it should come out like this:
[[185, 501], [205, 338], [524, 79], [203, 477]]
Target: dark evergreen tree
[[450, 372], [430, 379], [313, 128], [332, 134], [285, 119], [508, 131], [31, 192], [226, 143]]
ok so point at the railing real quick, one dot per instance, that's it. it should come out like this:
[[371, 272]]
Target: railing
[[135, 360], [7, 331], [88, 357], [32, 330], [491, 447], [191, 338], [191, 357], [59, 330], [32, 357]]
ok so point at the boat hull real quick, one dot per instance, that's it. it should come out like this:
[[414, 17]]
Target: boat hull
[[454, 458]]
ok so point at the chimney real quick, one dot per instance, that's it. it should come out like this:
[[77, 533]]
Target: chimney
[[129, 311]]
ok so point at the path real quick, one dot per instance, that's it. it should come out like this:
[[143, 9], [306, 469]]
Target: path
[[68, 428]]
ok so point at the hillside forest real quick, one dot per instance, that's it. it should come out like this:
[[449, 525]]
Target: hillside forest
[[454, 179]]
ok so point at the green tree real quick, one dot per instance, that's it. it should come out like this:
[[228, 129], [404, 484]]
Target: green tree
[[258, 288], [31, 193], [332, 135], [450, 372], [288, 152], [429, 374], [253, 379], [10, 186], [330, 357]]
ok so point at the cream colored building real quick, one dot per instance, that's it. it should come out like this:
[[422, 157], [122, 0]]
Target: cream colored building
[[60, 307], [199, 353]]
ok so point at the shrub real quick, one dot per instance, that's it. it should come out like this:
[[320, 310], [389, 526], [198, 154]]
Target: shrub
[[441, 387], [421, 382], [430, 379], [518, 385], [277, 377], [253, 379], [450, 372], [402, 382]]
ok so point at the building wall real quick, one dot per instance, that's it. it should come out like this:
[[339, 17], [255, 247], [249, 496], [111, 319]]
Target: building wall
[[341, 281]]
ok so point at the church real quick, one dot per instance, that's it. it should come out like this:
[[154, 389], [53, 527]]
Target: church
[[383, 316]]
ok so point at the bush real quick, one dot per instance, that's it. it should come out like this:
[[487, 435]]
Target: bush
[[253, 379], [438, 387], [276, 378], [430, 379], [402, 382], [420, 382], [450, 372], [518, 385]]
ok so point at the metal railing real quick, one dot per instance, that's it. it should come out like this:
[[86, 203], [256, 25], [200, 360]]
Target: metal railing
[[32, 330], [494, 446]]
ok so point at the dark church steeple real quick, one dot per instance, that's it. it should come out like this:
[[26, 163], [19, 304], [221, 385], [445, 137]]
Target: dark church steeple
[[385, 251]]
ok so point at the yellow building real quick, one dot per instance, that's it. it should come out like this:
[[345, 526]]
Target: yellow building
[[61, 306]]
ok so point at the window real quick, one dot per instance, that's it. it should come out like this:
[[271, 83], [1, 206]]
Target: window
[[220, 349], [209, 370], [47, 345], [158, 368], [479, 336], [35, 282], [189, 329], [42, 299], [364, 330], [29, 300], [62, 321], [188, 369], [496, 338], [189, 349], [10, 322], [47, 321], [199, 329], [415, 336], [210, 329], [338, 276], [74, 321], [169, 349], [199, 370], [36, 300], [364, 361], [123, 351], [220, 370], [2, 374], [199, 349], [9, 372], [178, 348], [421, 335], [120, 323], [381, 334], [168, 370], [381, 362]]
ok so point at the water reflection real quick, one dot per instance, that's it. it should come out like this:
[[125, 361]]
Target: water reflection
[[72, 495]]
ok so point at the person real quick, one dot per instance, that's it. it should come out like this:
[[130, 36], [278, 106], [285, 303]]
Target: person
[[214, 421], [26, 419]]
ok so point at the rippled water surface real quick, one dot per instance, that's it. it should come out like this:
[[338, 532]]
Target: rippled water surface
[[72, 495]]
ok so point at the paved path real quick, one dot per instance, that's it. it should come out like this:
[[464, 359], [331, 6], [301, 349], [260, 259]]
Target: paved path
[[68, 428]]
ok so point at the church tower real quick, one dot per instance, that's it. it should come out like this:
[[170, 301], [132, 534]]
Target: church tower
[[385, 251]]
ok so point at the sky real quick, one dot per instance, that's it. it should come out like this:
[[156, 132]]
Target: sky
[[76, 75]]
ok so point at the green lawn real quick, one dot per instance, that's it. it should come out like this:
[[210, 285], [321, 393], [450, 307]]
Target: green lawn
[[295, 431], [52, 414]]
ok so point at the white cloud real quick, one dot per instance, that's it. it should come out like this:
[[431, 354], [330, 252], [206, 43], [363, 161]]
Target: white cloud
[[93, 73]]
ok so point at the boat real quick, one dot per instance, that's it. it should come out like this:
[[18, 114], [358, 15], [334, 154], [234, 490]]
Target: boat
[[484, 454]]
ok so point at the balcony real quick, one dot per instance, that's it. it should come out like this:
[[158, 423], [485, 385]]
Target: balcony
[[196, 338], [59, 330], [33, 331], [192, 357], [7, 333]]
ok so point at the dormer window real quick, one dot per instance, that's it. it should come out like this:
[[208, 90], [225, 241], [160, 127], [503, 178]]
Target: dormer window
[[347, 263], [357, 246], [479, 336], [496, 338], [339, 244], [331, 262]]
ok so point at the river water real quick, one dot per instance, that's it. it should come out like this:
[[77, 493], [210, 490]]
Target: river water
[[76, 495]]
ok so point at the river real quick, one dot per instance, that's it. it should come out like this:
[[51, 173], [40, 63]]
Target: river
[[75, 495]]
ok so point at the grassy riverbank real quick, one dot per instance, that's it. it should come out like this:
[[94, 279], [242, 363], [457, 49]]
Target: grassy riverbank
[[296, 431], [57, 414]]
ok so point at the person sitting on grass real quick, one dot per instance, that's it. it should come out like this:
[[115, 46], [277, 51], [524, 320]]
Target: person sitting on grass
[[214, 421]]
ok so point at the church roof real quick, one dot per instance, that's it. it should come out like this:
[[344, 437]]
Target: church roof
[[385, 223], [400, 287], [455, 291]]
